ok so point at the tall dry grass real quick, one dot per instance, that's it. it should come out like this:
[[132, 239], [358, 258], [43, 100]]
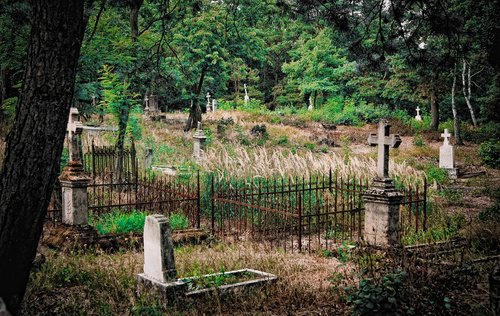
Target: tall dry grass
[[241, 162]]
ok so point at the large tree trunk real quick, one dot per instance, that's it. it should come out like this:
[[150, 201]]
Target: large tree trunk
[[195, 109], [466, 87], [135, 6], [456, 119], [35, 142], [434, 104]]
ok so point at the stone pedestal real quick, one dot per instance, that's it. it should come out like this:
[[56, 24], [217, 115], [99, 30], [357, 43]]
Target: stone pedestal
[[74, 183], [199, 140], [160, 275], [447, 156], [382, 202]]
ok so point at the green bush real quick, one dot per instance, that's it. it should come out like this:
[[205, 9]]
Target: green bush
[[178, 221], [379, 298], [489, 152], [434, 173]]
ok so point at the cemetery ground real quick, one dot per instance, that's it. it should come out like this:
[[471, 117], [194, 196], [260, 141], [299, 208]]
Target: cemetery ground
[[449, 276]]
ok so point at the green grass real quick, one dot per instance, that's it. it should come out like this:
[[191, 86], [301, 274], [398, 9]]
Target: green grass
[[119, 222]]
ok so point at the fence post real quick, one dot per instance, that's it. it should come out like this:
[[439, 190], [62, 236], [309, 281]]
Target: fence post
[[212, 203], [425, 204], [299, 201], [198, 202]]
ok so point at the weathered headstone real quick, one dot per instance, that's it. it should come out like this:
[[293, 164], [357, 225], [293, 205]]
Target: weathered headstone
[[382, 200], [247, 98], [146, 103], [199, 139], [310, 108], [148, 157], [447, 155], [214, 104], [418, 117], [159, 274], [208, 102], [153, 103], [73, 179]]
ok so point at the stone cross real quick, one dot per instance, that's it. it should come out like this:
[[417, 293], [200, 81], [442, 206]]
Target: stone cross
[[247, 98], [146, 101], [159, 261], [74, 128], [383, 140], [446, 152], [208, 102], [418, 117]]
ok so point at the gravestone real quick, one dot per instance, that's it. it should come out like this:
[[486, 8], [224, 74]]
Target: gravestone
[[159, 274], [214, 105], [199, 140], [247, 98], [208, 102], [310, 108], [418, 117], [153, 103], [382, 200], [146, 103], [447, 156], [74, 180], [148, 157]]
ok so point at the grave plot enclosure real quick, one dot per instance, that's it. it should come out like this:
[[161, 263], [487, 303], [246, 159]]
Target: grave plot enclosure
[[299, 214]]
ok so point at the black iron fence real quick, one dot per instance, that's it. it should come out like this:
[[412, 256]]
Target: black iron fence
[[300, 214]]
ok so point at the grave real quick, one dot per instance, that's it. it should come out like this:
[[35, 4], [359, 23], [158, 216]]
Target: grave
[[382, 200], [418, 117], [160, 274], [73, 179], [214, 105], [447, 156], [199, 142], [208, 102], [310, 107], [247, 98], [148, 158]]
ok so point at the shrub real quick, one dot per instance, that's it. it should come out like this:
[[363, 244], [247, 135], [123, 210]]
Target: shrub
[[437, 174], [490, 153], [383, 298], [178, 221]]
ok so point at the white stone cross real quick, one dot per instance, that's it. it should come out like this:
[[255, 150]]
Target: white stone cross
[[446, 135], [247, 98], [74, 128], [146, 100], [418, 117], [208, 102], [383, 140]]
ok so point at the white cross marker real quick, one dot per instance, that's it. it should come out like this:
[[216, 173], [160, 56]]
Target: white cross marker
[[446, 135]]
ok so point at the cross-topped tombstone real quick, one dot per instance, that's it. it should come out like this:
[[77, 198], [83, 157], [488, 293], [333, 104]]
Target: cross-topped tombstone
[[199, 142], [447, 155], [383, 140], [74, 128], [146, 102], [247, 98], [208, 102], [418, 117]]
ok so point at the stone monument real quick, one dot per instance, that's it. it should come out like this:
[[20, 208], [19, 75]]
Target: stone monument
[[159, 274], [382, 200], [247, 98], [310, 108], [148, 158], [199, 142], [146, 103], [74, 181], [214, 104], [447, 156], [418, 117], [153, 103], [208, 102]]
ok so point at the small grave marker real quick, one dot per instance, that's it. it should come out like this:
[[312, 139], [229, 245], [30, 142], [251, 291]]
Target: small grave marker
[[310, 108], [199, 142], [247, 98], [418, 117], [208, 102], [447, 155]]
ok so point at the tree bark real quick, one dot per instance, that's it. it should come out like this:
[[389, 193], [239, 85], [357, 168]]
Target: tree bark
[[466, 87], [135, 6], [434, 104], [456, 119], [35, 142]]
